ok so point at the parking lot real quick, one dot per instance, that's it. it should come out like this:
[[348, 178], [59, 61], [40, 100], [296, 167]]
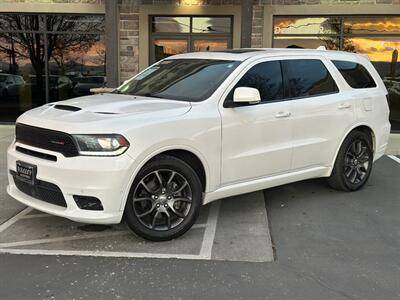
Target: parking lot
[[298, 241]]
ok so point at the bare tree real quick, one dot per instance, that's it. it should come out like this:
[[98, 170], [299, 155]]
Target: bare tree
[[23, 41]]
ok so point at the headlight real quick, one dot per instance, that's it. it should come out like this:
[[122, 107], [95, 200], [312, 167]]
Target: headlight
[[101, 144]]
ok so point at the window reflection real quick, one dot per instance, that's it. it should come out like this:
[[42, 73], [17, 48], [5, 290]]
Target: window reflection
[[210, 45], [171, 24], [76, 65], [23, 72], [330, 43], [22, 22], [31, 75], [304, 25], [371, 25], [168, 47], [211, 25]]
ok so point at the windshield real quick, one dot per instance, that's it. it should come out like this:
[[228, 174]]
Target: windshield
[[191, 80]]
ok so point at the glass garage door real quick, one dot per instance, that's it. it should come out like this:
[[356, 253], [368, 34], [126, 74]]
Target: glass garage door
[[172, 35]]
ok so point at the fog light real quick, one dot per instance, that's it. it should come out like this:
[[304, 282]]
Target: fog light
[[88, 203]]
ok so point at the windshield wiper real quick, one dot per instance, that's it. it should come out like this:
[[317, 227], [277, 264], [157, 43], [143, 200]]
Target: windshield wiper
[[116, 91], [151, 95]]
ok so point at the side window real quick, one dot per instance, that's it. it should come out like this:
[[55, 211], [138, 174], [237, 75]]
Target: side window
[[266, 77], [308, 77], [356, 75]]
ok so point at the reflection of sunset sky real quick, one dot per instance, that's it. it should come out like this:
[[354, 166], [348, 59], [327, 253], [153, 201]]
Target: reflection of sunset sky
[[172, 47], [369, 25], [377, 48], [301, 26], [201, 45]]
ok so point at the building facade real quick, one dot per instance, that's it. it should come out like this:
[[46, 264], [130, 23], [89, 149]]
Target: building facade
[[53, 50]]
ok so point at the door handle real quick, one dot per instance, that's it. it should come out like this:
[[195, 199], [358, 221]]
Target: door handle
[[344, 105], [283, 114]]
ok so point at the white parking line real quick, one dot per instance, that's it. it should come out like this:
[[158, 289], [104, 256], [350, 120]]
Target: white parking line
[[205, 252], [209, 234], [395, 158], [100, 253], [14, 219], [34, 216], [62, 239]]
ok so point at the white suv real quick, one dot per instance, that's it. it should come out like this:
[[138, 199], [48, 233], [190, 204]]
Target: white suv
[[198, 127]]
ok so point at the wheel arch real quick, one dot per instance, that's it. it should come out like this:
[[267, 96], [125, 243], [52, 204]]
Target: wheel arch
[[357, 127], [195, 159]]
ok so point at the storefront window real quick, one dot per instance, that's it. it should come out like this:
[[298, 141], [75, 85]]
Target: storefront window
[[175, 35], [40, 60], [171, 24], [376, 36]]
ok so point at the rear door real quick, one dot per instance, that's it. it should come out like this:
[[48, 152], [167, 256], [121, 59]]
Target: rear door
[[321, 110]]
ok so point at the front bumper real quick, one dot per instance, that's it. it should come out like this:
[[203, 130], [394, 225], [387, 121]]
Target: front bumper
[[106, 178]]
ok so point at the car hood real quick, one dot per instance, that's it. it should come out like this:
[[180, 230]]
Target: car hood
[[104, 110]]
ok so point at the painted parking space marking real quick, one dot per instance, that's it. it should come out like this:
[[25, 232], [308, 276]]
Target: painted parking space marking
[[9, 247], [395, 158], [209, 235], [14, 219]]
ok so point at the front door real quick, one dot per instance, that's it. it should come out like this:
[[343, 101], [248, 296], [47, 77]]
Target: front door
[[256, 138]]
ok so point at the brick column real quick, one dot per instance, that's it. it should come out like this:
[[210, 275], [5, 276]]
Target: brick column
[[129, 38]]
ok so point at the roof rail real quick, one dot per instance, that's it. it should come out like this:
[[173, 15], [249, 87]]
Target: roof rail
[[321, 48]]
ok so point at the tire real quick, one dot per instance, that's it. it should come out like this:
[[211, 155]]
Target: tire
[[353, 163], [164, 200]]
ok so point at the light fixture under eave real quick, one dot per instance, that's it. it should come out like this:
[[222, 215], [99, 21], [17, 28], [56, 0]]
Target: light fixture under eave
[[190, 2]]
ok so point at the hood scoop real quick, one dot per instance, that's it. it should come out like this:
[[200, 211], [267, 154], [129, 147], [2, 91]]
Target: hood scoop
[[67, 107]]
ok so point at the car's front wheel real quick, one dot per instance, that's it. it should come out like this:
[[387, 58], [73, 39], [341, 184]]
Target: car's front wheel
[[353, 164], [164, 200]]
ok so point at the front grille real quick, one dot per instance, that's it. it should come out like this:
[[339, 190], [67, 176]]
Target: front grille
[[41, 190], [46, 139], [36, 154]]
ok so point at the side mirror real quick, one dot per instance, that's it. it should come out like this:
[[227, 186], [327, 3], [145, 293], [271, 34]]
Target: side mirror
[[246, 95]]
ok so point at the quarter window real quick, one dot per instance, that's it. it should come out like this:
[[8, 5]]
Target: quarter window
[[266, 77], [308, 77], [355, 74]]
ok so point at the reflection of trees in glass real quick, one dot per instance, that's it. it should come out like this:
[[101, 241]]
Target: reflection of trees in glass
[[69, 48], [27, 45]]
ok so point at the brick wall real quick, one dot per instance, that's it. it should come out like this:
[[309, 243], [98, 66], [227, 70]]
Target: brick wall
[[129, 38]]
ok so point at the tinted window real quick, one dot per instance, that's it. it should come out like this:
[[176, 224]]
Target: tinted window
[[266, 77], [308, 77], [355, 74]]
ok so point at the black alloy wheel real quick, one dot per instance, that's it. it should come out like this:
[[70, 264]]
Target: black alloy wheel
[[353, 164], [164, 200]]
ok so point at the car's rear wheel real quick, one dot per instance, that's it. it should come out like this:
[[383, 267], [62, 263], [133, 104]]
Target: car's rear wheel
[[164, 200], [353, 164]]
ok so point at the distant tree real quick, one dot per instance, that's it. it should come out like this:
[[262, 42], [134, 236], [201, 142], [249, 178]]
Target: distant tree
[[23, 44]]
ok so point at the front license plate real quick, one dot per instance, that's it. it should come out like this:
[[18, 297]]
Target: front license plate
[[26, 172]]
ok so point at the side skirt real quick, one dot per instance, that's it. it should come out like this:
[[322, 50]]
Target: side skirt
[[266, 182]]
